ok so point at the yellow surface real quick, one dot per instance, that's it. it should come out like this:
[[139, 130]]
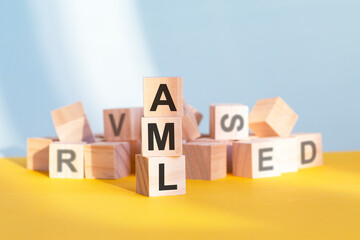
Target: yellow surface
[[321, 203]]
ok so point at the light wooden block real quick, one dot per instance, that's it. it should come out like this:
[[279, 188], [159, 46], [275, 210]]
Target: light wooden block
[[135, 148], [310, 152], [205, 160], [38, 153], [122, 124], [229, 143], [190, 128], [256, 159], [168, 91], [66, 160], [272, 117], [197, 114], [160, 176], [287, 152], [229, 121], [107, 160], [71, 124], [156, 142]]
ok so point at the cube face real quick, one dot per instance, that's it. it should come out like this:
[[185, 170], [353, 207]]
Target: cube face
[[229, 146], [163, 97], [256, 159], [107, 160], [229, 121], [272, 117], [161, 137], [38, 153], [310, 152], [205, 160], [160, 176], [287, 152], [66, 160], [122, 124], [71, 124]]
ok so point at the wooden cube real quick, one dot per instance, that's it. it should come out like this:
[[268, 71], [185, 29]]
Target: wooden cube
[[122, 124], [107, 160], [205, 160], [38, 153], [229, 143], [229, 121], [190, 128], [160, 176], [163, 97], [197, 114], [310, 152], [71, 124], [161, 137], [255, 158], [66, 160], [272, 117], [135, 148], [287, 152]]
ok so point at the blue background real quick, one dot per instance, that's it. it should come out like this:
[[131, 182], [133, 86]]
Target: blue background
[[57, 52]]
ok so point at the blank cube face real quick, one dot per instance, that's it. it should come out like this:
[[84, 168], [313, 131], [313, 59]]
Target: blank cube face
[[71, 124], [160, 176], [205, 160], [229, 121], [122, 124], [272, 117], [38, 153], [161, 137], [107, 160], [310, 152], [66, 160], [163, 97], [255, 159]]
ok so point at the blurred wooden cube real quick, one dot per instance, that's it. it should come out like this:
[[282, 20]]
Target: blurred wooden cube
[[272, 117], [122, 124], [163, 97], [229, 143], [205, 160], [190, 128], [287, 152], [161, 136], [197, 114], [107, 160], [38, 153], [66, 160], [160, 176], [71, 124], [310, 152], [256, 158], [229, 121]]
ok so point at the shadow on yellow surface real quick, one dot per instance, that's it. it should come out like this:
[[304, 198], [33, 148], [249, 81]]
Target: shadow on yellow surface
[[322, 202]]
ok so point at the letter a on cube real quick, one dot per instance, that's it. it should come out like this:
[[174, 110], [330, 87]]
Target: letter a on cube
[[160, 176], [163, 97], [161, 137], [66, 160]]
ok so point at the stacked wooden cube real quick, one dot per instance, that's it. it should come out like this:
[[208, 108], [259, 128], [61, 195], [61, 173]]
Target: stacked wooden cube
[[160, 169]]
